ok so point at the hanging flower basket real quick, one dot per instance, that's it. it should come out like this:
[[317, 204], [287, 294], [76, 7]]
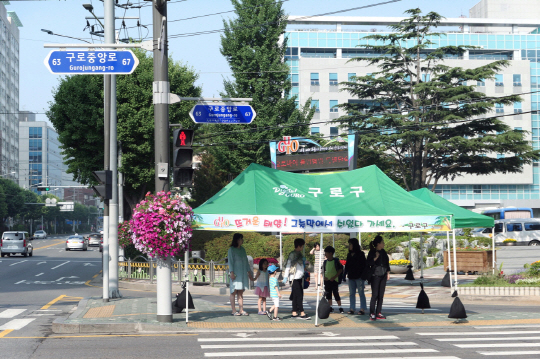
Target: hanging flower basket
[[161, 225]]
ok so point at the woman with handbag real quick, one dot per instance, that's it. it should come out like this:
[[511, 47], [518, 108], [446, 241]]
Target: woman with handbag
[[379, 262], [354, 267]]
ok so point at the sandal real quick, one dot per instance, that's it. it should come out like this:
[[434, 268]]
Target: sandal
[[351, 312], [244, 313], [236, 314], [262, 313]]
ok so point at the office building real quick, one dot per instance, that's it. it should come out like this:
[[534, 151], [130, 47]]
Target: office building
[[319, 50], [9, 93], [40, 159]]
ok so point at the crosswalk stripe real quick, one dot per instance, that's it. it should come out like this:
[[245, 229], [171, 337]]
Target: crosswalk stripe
[[495, 345], [301, 344], [430, 357], [16, 324], [304, 339], [483, 333], [531, 352], [10, 313], [484, 339], [319, 352]]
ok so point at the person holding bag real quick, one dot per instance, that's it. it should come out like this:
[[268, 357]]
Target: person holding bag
[[379, 263], [354, 267]]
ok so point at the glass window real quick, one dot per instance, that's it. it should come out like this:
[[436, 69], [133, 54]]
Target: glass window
[[333, 131], [315, 103], [333, 79], [498, 227], [518, 129], [514, 227], [425, 77], [499, 156], [481, 82], [499, 108], [517, 107], [35, 145], [532, 226], [499, 80], [315, 79], [350, 76], [517, 80], [34, 157], [315, 130], [35, 132], [294, 80], [333, 105]]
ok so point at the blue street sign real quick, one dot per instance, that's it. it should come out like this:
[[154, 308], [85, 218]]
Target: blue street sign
[[221, 112], [91, 62]]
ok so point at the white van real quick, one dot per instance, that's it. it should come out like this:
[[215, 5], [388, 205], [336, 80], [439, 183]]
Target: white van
[[16, 242], [526, 231]]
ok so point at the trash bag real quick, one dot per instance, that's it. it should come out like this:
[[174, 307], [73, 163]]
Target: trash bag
[[324, 308], [446, 280], [180, 303], [457, 310], [423, 300]]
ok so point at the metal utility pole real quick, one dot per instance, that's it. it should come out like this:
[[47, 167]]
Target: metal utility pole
[[113, 164], [120, 196], [161, 91]]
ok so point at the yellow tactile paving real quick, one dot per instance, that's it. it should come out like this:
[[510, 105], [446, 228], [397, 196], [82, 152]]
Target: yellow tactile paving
[[100, 312]]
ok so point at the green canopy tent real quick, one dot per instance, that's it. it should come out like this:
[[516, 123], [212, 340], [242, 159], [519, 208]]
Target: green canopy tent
[[364, 200], [463, 218]]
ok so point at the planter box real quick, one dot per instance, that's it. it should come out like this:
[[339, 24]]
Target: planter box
[[398, 269], [471, 261]]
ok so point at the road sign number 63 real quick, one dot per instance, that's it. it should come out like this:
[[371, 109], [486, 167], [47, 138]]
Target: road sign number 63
[[56, 61]]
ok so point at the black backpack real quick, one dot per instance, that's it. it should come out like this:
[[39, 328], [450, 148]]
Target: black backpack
[[339, 266]]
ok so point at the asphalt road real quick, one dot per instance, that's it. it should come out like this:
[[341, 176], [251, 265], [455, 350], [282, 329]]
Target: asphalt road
[[36, 290]]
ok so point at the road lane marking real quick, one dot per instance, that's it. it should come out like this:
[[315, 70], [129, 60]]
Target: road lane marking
[[484, 339], [18, 263], [37, 275], [41, 263], [60, 265], [300, 344], [50, 245], [10, 313], [512, 353], [483, 333], [393, 337], [5, 332], [21, 281], [16, 324], [48, 305], [294, 353], [498, 345]]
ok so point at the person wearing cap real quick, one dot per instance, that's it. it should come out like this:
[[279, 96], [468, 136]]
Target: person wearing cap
[[275, 295]]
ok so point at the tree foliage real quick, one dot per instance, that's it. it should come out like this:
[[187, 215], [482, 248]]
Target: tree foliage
[[76, 113], [425, 116], [251, 44]]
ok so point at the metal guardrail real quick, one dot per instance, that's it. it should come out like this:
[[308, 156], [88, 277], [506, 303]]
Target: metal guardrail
[[208, 273]]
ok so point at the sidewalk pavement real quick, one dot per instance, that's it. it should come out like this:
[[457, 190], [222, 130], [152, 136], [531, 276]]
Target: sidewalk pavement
[[135, 315]]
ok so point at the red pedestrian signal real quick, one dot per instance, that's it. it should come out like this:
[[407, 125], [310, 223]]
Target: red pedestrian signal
[[182, 158]]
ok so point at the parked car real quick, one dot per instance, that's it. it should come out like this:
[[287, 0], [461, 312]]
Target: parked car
[[481, 232], [16, 243], [40, 234], [526, 231], [94, 239], [76, 242]]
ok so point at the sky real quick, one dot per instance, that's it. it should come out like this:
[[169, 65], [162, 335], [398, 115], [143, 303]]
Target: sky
[[201, 52]]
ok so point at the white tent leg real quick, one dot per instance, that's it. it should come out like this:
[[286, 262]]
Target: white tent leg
[[493, 247], [318, 274], [422, 257], [449, 257], [280, 253], [455, 259], [333, 241]]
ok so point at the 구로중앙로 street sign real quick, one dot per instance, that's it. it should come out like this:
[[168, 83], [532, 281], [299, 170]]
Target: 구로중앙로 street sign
[[221, 112], [119, 62]]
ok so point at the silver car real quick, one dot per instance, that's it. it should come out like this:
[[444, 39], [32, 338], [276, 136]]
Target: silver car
[[94, 239], [76, 242], [40, 234], [16, 243]]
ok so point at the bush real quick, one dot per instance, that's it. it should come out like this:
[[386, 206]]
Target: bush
[[491, 280]]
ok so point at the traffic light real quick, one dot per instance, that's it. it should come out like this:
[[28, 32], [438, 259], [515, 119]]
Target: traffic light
[[104, 189], [182, 158], [43, 189]]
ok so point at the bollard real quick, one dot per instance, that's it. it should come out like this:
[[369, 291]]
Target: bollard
[[212, 273], [129, 268]]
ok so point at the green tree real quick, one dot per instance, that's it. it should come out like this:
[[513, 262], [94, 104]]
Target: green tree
[[209, 180], [14, 199], [434, 129], [251, 44], [76, 113]]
